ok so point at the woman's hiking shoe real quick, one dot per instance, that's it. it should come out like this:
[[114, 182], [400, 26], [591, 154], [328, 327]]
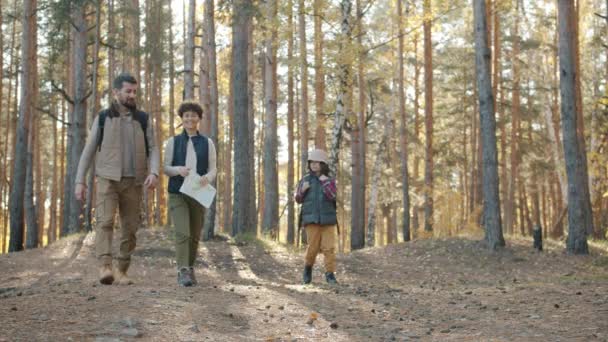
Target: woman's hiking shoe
[[330, 278], [184, 277], [307, 277]]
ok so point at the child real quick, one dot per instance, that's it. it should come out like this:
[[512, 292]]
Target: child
[[316, 192]]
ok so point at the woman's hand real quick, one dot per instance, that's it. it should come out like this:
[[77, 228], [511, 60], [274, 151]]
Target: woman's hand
[[204, 181], [183, 171]]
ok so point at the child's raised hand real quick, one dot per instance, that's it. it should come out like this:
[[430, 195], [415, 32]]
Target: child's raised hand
[[305, 186]]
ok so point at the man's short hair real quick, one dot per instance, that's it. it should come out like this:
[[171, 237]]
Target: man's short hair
[[122, 78], [190, 106]]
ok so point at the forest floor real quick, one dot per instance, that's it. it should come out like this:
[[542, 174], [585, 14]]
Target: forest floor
[[442, 290]]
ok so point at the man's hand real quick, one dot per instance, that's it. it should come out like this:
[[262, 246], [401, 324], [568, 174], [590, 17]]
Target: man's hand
[[80, 191], [183, 171], [323, 178], [151, 181], [204, 181]]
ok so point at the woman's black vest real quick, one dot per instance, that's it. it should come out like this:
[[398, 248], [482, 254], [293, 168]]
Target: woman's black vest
[[316, 208], [180, 145]]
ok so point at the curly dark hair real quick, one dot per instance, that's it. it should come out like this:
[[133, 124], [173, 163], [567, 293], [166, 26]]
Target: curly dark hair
[[190, 106], [324, 168]]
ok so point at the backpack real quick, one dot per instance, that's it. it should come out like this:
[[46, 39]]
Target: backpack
[[141, 117]]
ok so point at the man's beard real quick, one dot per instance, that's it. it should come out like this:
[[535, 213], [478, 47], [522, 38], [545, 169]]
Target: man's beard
[[130, 105]]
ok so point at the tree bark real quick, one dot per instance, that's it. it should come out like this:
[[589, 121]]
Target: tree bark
[[417, 123], [254, 200], [242, 219], [291, 229], [403, 132], [28, 53], [376, 175], [189, 52], [491, 198], [579, 206], [270, 222], [76, 136], [320, 142], [228, 155], [31, 219], [209, 37], [303, 88], [510, 206], [357, 212], [428, 109], [92, 113], [51, 233]]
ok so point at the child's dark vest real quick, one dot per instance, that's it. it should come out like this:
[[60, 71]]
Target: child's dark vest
[[180, 144], [316, 208]]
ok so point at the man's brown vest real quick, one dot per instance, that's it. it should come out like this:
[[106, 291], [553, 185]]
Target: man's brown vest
[[108, 162]]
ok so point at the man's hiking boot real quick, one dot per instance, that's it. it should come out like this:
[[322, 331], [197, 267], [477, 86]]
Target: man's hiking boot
[[184, 277], [106, 276], [123, 279], [194, 281], [307, 277], [121, 275], [330, 278]]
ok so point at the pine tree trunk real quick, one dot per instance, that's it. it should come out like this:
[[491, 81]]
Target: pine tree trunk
[[171, 76], [510, 211], [111, 40], [403, 132], [209, 24], [6, 135], [228, 156], [357, 202], [189, 52], [417, 123], [376, 175], [320, 142], [76, 136], [92, 113], [498, 91], [428, 112], [28, 53], [11, 134], [62, 168], [491, 199], [579, 206], [291, 229], [270, 222], [242, 218], [156, 58], [303, 88], [31, 219], [254, 200], [474, 142], [51, 234]]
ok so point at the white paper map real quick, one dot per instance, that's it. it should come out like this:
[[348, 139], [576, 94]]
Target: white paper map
[[193, 188]]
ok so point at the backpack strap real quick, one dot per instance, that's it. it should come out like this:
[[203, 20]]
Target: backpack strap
[[102, 120]]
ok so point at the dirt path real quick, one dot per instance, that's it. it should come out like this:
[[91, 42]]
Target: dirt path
[[443, 290]]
